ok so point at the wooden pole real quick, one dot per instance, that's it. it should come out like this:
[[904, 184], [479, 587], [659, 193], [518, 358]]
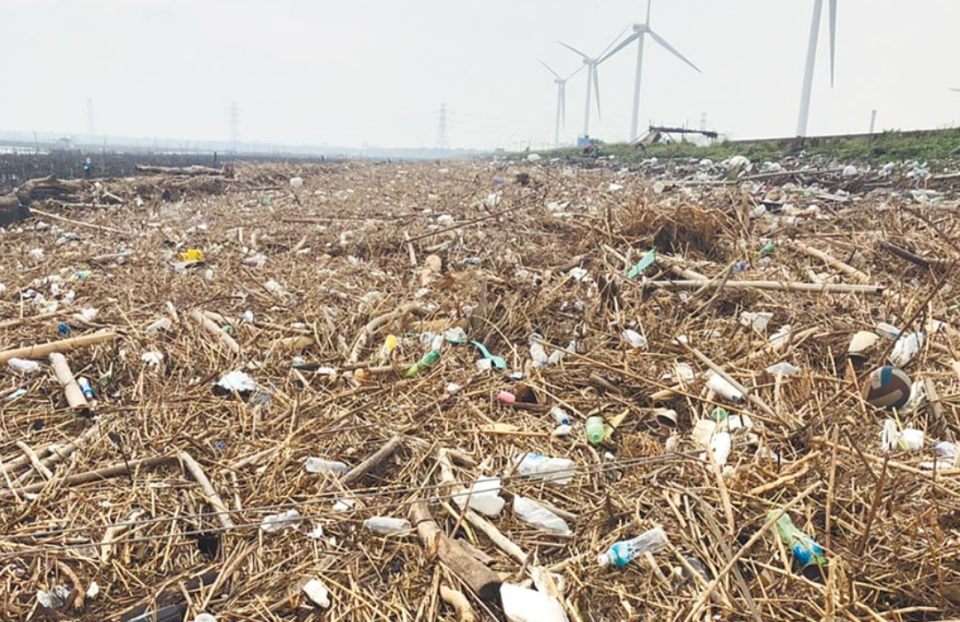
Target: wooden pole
[[781, 286]]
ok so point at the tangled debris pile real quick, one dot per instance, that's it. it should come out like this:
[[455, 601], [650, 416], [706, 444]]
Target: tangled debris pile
[[466, 391]]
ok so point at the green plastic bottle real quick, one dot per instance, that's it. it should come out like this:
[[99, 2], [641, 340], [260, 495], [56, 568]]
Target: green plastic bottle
[[596, 429], [804, 548], [425, 363]]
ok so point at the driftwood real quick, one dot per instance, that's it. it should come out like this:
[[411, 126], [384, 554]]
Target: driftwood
[[179, 170], [484, 582], [48, 188], [11, 210]]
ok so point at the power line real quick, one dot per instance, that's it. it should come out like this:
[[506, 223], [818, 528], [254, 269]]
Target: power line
[[443, 141]]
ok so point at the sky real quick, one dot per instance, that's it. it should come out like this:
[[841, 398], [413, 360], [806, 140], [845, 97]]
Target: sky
[[374, 72]]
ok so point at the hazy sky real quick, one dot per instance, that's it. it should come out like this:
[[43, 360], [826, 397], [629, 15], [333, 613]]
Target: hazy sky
[[354, 72]]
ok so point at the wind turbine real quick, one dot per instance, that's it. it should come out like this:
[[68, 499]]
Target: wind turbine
[[593, 78], [812, 57], [640, 32], [561, 99], [957, 90]]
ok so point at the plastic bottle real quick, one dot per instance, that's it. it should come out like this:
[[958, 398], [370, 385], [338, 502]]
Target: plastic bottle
[[560, 416], [275, 523], [621, 553], [24, 366], [423, 364], [319, 465], [596, 429], [387, 525], [538, 354], [554, 470], [529, 511], [86, 388], [804, 548]]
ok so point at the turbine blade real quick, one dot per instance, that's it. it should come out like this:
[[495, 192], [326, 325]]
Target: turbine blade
[[575, 72], [613, 41], [550, 69], [833, 37], [672, 49], [649, 3], [955, 90], [619, 47], [596, 88], [574, 50]]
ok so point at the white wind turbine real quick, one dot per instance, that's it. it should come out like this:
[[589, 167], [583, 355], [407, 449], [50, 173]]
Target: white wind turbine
[[561, 99], [812, 57], [640, 32], [593, 79]]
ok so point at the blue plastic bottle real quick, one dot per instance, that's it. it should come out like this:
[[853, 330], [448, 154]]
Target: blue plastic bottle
[[622, 553]]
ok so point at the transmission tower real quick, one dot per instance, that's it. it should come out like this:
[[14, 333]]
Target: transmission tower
[[703, 121], [443, 141], [234, 127], [90, 126]]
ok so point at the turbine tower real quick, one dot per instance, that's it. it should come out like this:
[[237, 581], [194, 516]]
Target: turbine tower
[[593, 78], [561, 100], [640, 32], [812, 57]]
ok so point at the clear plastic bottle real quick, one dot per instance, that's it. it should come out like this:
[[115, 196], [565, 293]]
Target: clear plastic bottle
[[538, 354], [560, 416], [622, 553]]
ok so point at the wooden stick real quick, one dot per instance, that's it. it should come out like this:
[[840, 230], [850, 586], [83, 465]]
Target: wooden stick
[[76, 223], [293, 343], [42, 350], [71, 389], [77, 585], [211, 327], [34, 460], [781, 286], [459, 602], [481, 580], [90, 476], [372, 461], [831, 261], [27, 320], [223, 514]]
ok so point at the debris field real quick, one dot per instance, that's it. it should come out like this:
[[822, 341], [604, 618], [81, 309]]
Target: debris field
[[443, 391]]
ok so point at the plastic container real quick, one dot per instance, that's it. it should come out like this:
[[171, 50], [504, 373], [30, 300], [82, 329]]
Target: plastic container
[[622, 553], [805, 549], [634, 339], [523, 605], [484, 497]]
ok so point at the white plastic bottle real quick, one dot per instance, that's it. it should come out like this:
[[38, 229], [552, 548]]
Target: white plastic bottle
[[387, 525], [553, 470], [319, 465]]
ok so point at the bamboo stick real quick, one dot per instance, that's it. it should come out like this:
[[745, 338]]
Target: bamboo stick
[[42, 350], [223, 514]]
